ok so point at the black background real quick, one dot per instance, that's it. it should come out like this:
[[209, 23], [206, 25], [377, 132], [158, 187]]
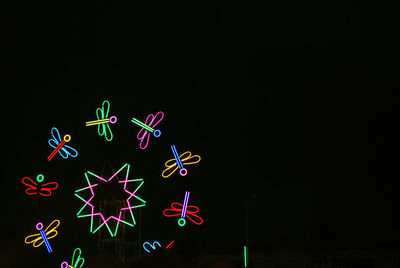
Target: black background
[[291, 105]]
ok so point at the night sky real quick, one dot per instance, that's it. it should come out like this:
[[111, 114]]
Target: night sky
[[292, 107]]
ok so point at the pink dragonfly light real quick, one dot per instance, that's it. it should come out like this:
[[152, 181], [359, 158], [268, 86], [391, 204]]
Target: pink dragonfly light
[[148, 127]]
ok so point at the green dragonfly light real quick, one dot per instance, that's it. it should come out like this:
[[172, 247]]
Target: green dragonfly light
[[76, 262], [102, 122]]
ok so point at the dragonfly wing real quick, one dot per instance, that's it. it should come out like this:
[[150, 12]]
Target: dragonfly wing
[[56, 137], [34, 239], [101, 129], [38, 242], [100, 113], [107, 132], [77, 261], [194, 218], [51, 229], [53, 143], [106, 109], [144, 137], [31, 191], [32, 186], [46, 188], [68, 150], [155, 119], [188, 159], [175, 210], [171, 167], [191, 214]]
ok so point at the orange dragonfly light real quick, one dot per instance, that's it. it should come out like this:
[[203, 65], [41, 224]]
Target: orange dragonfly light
[[178, 162], [44, 235]]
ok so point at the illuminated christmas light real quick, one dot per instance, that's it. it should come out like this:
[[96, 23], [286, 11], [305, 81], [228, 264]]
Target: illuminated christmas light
[[43, 236], [245, 256], [184, 159], [40, 178], [127, 208], [43, 189], [75, 263], [151, 245], [170, 244], [59, 145], [189, 212], [103, 128], [148, 126]]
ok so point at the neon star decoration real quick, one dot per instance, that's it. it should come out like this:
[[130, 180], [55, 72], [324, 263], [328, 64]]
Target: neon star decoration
[[128, 204], [178, 162], [43, 236], [103, 128], [76, 262], [34, 188], [184, 211], [60, 146], [148, 126]]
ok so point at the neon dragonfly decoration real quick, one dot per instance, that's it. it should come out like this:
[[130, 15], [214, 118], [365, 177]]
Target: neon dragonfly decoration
[[75, 263], [103, 128], [184, 211], [152, 246], [148, 126], [43, 236], [59, 145], [88, 206], [179, 161], [33, 188]]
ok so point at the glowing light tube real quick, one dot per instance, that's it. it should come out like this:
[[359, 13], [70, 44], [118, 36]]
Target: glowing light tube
[[139, 123], [172, 165], [46, 242], [245, 255], [177, 158], [55, 151], [185, 203], [170, 244]]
